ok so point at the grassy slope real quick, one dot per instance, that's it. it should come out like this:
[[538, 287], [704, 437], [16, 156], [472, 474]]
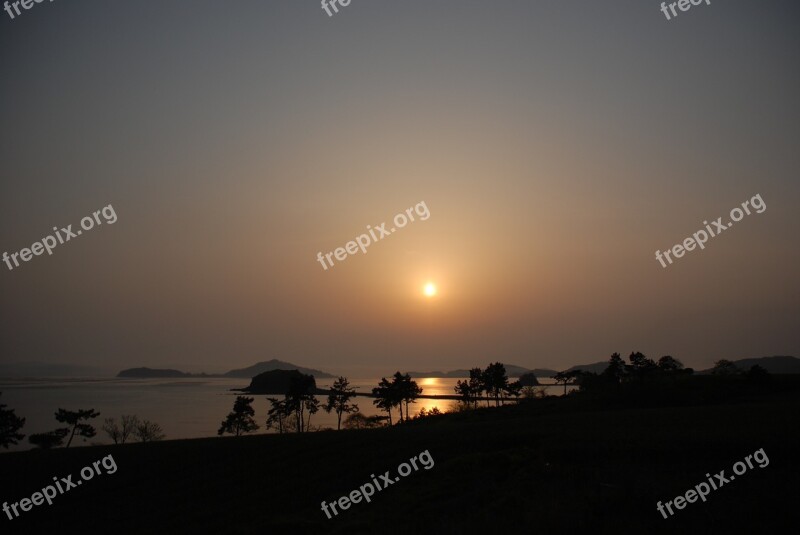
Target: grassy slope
[[558, 466]]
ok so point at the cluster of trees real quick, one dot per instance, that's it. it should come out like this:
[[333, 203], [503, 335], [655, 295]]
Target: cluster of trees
[[726, 367], [76, 426], [131, 426], [357, 420], [389, 394], [487, 384], [426, 414], [298, 404], [77, 422], [641, 370], [294, 411]]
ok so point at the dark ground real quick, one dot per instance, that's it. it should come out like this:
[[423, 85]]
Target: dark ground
[[552, 466]]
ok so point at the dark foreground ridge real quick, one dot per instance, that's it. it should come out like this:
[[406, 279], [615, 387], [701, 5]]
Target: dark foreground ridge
[[555, 465]]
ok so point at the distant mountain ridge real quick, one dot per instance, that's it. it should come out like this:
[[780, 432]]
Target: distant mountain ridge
[[594, 367], [243, 373], [777, 364]]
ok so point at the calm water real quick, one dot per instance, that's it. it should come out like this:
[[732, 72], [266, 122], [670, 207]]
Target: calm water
[[185, 408]]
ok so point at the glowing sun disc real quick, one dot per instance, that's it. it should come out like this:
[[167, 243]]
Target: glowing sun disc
[[429, 290]]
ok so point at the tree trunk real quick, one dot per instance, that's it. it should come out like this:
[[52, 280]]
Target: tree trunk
[[72, 435]]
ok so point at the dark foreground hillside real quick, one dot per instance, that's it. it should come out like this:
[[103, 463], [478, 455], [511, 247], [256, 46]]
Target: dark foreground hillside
[[553, 466]]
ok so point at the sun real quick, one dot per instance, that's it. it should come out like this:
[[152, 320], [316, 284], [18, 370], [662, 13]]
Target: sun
[[429, 290]]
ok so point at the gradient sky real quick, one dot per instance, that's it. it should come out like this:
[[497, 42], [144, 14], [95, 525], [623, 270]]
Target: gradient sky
[[557, 144]]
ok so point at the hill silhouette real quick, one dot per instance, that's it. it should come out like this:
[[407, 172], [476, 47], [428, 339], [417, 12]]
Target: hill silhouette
[[274, 364], [277, 382], [244, 373], [778, 364]]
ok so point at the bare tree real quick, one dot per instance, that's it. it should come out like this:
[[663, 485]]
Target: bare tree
[[120, 433], [111, 428], [147, 431]]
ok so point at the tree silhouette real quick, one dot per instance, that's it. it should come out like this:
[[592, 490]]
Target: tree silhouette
[[119, 433], [10, 424], [300, 398], [640, 366], [277, 415], [463, 389], [357, 420], [669, 364], [427, 414], [616, 370], [74, 419], [339, 400], [495, 381], [241, 419], [312, 406], [147, 431], [406, 391], [385, 397], [566, 377], [528, 379], [486, 385], [513, 389], [49, 440]]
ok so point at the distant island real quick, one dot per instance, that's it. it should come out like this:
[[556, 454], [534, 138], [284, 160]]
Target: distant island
[[150, 373], [244, 373], [274, 364], [277, 382], [775, 365]]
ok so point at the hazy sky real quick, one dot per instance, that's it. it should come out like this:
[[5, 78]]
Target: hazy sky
[[557, 144]]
